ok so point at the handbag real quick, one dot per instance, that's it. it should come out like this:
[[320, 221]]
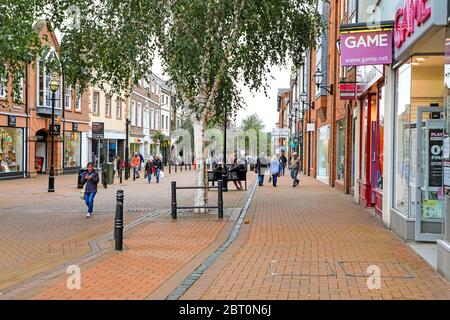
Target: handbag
[[161, 174]]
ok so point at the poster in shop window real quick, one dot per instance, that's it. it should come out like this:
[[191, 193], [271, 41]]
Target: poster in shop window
[[436, 139]]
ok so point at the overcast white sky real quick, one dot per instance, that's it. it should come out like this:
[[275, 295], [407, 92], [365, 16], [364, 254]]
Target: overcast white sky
[[265, 107]]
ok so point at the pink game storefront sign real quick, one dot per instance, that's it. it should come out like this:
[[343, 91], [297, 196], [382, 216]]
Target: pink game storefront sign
[[366, 48]]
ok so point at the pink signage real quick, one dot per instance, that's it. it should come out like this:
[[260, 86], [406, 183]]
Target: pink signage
[[413, 12], [366, 48]]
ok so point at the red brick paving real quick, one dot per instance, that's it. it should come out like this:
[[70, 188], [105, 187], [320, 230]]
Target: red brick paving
[[321, 245]]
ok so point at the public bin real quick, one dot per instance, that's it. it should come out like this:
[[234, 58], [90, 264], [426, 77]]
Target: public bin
[[107, 173]]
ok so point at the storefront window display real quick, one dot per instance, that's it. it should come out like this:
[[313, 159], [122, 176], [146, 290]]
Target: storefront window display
[[418, 172], [72, 149], [340, 156], [322, 153], [380, 145], [11, 150]]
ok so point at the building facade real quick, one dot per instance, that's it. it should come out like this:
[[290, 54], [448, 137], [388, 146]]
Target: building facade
[[25, 120]]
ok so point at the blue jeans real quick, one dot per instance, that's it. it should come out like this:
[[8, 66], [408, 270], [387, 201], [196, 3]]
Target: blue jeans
[[294, 174], [283, 168], [260, 179], [274, 179], [149, 176], [89, 200], [157, 174]]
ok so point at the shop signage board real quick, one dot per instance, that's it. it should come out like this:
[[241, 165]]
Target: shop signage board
[[281, 133], [310, 127], [366, 48], [414, 19], [56, 129], [98, 130], [347, 91], [12, 121], [74, 126], [435, 161]]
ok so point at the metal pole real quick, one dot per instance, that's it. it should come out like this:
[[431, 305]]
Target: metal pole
[[220, 199], [120, 177], [174, 200], [118, 221], [51, 178], [181, 167], [225, 169], [127, 151]]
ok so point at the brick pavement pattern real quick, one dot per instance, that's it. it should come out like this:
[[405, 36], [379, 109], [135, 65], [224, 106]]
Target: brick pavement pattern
[[315, 243], [40, 230]]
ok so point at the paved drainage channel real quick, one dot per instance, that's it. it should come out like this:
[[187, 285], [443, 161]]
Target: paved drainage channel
[[194, 276]]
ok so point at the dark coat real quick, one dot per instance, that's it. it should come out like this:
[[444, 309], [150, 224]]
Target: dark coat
[[261, 166], [91, 185]]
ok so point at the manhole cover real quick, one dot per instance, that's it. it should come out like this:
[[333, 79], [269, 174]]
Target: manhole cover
[[363, 269]]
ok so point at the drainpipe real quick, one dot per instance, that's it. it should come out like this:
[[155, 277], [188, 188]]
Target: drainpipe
[[27, 129]]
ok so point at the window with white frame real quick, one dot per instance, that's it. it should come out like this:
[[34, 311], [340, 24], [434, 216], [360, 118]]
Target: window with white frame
[[118, 108], [153, 86], [95, 102], [167, 122], [139, 114], [67, 97], [18, 87], [3, 84], [43, 83], [152, 118], [108, 105], [78, 99], [133, 113]]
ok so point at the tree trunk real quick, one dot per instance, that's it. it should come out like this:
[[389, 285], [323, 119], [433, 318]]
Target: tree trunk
[[201, 179]]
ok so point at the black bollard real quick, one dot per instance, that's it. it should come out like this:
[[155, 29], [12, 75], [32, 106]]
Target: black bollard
[[176, 168], [181, 167], [118, 221], [185, 167], [190, 167], [170, 168], [174, 200], [220, 199]]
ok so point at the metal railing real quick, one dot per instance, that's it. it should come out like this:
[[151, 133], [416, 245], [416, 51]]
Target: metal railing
[[219, 206]]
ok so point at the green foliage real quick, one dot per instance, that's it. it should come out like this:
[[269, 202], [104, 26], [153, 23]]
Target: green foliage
[[208, 47], [252, 122], [158, 136]]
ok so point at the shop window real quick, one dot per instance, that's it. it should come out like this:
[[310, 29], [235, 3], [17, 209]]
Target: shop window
[[72, 149], [133, 113], [11, 150], [139, 114], [419, 85], [380, 151], [340, 150], [322, 153]]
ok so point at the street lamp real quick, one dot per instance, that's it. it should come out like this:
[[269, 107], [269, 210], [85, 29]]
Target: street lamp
[[127, 149], [318, 78], [225, 169], [54, 86]]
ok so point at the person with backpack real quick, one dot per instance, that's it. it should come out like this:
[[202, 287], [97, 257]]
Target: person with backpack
[[90, 179], [283, 162]]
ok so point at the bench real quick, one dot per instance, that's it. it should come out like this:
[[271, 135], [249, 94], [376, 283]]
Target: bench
[[238, 175]]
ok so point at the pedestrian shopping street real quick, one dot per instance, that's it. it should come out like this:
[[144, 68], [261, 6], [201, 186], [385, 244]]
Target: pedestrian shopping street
[[310, 242]]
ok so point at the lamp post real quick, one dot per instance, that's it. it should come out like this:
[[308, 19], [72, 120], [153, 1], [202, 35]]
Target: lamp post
[[318, 78], [54, 86], [225, 168], [296, 109], [127, 150]]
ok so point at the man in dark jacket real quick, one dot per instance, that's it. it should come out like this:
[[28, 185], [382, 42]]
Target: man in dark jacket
[[261, 167], [158, 167], [283, 161], [91, 179]]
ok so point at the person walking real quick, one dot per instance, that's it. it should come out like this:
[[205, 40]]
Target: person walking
[[261, 167], [136, 166], [149, 169], [141, 158], [275, 168], [158, 167], [295, 166], [91, 179], [118, 165], [283, 161]]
